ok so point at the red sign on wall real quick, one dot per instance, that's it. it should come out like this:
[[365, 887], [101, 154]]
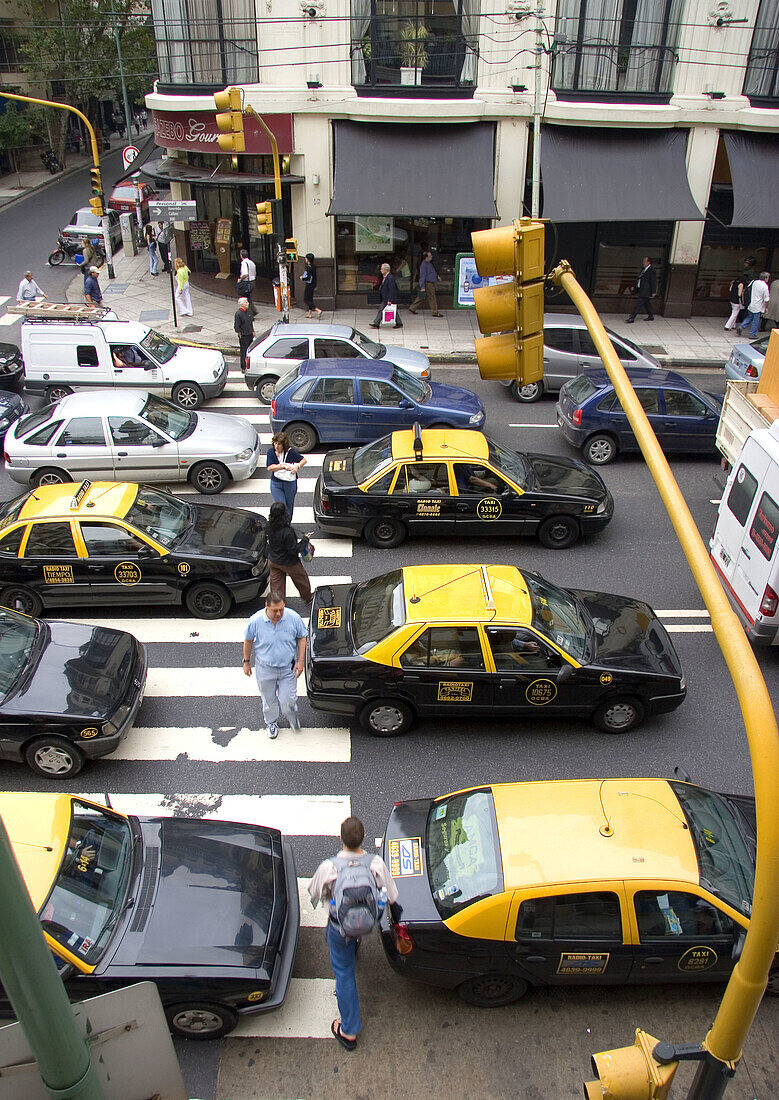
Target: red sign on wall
[[197, 130]]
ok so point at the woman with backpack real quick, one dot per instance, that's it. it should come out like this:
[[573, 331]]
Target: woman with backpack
[[283, 553]]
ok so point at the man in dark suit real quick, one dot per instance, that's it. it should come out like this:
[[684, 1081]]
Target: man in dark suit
[[388, 292], [645, 288]]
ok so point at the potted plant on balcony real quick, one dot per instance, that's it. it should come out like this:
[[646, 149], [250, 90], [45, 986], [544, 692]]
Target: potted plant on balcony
[[413, 51]]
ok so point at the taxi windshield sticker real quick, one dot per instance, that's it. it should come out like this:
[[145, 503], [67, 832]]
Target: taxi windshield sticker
[[328, 618], [455, 692], [337, 464], [127, 572], [583, 962], [541, 692], [489, 508], [429, 506], [405, 857], [697, 958], [58, 574]]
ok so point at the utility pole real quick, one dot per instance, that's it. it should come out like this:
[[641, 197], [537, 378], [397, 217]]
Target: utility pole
[[535, 198], [125, 98]]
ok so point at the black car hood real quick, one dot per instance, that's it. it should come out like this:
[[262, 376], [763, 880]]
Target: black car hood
[[10, 400], [629, 635], [566, 477], [224, 531], [78, 671]]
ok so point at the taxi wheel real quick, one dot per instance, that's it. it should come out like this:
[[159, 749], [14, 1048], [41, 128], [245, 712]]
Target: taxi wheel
[[558, 532], [201, 1021], [49, 475], [54, 758], [265, 388], [600, 449], [772, 989], [209, 477], [386, 717], [385, 533], [618, 715], [492, 990], [301, 436], [19, 598], [533, 391], [187, 395], [207, 601], [56, 393]]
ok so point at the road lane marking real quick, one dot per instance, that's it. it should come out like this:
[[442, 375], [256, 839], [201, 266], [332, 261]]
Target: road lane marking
[[309, 916], [205, 682], [195, 743], [692, 613], [10, 318], [532, 425], [307, 1013]]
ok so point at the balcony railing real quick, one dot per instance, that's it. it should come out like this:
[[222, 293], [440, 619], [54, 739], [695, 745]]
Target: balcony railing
[[412, 58], [602, 68]]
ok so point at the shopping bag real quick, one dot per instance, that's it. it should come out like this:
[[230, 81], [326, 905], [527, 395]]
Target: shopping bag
[[389, 316]]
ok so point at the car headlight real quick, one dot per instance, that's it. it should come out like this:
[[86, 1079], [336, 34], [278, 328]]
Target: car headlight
[[247, 452], [601, 508], [476, 418], [682, 683]]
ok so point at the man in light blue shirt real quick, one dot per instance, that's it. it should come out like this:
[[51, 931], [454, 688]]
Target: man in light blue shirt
[[277, 636]]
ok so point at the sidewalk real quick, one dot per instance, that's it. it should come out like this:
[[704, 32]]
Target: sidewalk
[[136, 295]]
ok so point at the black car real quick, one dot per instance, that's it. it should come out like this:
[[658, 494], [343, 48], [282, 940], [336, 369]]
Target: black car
[[454, 482], [68, 692], [121, 544], [11, 366], [12, 408]]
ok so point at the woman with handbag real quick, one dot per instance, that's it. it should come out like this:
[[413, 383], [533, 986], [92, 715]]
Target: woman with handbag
[[308, 279], [284, 548], [284, 463]]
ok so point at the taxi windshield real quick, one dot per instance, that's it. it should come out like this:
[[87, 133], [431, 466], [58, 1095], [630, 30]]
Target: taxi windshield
[[158, 346], [378, 607], [726, 865], [164, 414], [509, 463], [371, 347], [463, 853], [371, 458], [89, 890], [159, 515], [557, 614], [412, 387], [17, 640]]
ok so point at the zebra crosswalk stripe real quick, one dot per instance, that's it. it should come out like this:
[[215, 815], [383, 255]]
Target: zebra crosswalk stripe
[[228, 743], [248, 485], [228, 681], [307, 1014]]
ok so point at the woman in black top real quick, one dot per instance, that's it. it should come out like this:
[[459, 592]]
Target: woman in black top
[[283, 554], [309, 285]]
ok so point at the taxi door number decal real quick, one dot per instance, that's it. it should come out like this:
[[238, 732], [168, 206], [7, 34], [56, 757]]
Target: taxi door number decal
[[455, 692], [431, 507], [697, 958], [583, 962], [90, 731], [405, 857], [489, 508], [127, 572], [58, 574], [183, 568], [328, 618], [541, 692], [606, 677]]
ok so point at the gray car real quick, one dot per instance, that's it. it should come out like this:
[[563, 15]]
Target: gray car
[[282, 347], [746, 360], [129, 435], [85, 223], [568, 349]]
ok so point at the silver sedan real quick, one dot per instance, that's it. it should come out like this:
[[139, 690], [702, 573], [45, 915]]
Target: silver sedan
[[130, 435]]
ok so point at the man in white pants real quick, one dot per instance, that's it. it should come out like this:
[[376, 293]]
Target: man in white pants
[[278, 637]]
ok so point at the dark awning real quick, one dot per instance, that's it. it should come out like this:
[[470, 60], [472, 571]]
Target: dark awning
[[414, 171], [168, 170], [754, 169], [599, 175]]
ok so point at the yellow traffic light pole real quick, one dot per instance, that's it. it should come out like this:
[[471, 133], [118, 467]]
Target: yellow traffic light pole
[[723, 1044], [95, 159]]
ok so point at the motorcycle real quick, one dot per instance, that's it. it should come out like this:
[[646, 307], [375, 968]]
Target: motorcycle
[[51, 162], [68, 247]]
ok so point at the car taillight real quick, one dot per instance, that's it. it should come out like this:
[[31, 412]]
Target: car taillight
[[403, 941], [577, 417], [751, 371], [769, 602], [5, 457], [325, 503], [273, 407]]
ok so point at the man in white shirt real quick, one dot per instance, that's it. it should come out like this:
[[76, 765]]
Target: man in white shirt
[[247, 275], [28, 289], [757, 304]]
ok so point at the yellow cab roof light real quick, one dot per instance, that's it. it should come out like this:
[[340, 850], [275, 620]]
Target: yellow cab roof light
[[417, 441]]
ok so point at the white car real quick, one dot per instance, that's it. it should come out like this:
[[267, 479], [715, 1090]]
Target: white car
[[85, 223], [282, 347], [129, 435]]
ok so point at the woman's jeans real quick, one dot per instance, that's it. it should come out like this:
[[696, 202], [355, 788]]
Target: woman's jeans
[[284, 492], [342, 958], [152, 260]]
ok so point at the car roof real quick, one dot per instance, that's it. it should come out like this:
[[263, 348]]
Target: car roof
[[466, 593], [38, 826], [565, 831], [380, 370], [441, 443], [342, 332], [96, 402], [103, 499], [649, 375]]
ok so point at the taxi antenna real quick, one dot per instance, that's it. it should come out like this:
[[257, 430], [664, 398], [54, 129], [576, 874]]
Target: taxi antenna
[[605, 830]]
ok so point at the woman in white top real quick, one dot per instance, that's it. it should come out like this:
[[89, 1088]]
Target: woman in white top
[[283, 463]]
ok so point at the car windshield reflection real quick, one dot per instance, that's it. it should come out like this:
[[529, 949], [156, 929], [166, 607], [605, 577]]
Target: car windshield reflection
[[163, 414], [159, 515], [412, 387], [364, 343], [557, 615]]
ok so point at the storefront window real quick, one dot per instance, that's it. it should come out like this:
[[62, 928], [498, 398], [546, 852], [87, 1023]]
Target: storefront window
[[719, 265], [618, 266]]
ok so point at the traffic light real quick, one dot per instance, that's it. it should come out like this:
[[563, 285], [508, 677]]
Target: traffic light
[[97, 206], [513, 308], [291, 248], [97, 183], [630, 1073], [264, 218], [230, 122]]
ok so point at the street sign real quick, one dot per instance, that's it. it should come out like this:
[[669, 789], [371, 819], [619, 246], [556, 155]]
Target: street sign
[[184, 211], [129, 153]]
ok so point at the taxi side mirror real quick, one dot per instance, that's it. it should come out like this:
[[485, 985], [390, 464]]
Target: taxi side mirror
[[565, 673], [145, 552], [738, 944]]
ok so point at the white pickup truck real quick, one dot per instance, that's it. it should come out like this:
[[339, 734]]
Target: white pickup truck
[[740, 416]]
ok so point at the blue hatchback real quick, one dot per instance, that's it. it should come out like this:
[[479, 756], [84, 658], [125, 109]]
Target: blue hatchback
[[343, 400], [683, 418]]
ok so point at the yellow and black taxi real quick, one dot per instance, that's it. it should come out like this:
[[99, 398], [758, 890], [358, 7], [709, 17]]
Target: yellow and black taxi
[[121, 544], [451, 641], [510, 886], [447, 481], [68, 692], [206, 909]]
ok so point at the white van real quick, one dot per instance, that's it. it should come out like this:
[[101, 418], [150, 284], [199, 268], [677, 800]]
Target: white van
[[744, 543], [63, 356]]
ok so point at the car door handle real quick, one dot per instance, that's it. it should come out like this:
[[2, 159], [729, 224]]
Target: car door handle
[[463, 507], [62, 454], [534, 959], [123, 454], [653, 960], [411, 679], [503, 682]]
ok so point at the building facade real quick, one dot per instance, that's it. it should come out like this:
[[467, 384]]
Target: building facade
[[406, 124]]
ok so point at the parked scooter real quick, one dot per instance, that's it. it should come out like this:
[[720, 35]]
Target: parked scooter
[[66, 247], [51, 162]]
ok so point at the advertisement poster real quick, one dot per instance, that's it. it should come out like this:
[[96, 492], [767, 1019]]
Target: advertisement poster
[[199, 235], [467, 279], [373, 234]]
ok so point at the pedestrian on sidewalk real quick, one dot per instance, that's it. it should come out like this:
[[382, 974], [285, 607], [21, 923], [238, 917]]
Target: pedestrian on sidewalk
[[308, 278], [735, 303], [758, 300], [93, 296], [645, 288], [351, 860], [772, 309], [163, 242], [277, 636], [283, 553], [388, 292], [284, 463], [28, 289], [151, 244], [428, 277], [246, 279], [243, 323], [181, 292]]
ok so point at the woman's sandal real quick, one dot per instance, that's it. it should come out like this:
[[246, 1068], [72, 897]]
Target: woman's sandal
[[347, 1044]]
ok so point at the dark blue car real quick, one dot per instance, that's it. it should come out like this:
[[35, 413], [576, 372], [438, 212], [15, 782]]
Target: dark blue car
[[356, 401], [683, 417]]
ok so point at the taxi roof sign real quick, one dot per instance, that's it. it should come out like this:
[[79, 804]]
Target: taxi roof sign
[[103, 498], [79, 494]]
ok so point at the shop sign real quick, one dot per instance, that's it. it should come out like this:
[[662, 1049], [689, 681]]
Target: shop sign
[[196, 130], [199, 236]]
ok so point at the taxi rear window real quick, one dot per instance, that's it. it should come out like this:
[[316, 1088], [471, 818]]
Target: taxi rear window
[[378, 608], [370, 458], [580, 389], [463, 853]]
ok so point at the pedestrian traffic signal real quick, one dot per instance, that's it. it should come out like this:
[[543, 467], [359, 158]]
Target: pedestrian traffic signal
[[291, 248], [97, 183], [630, 1073], [230, 123], [264, 218], [97, 206], [513, 308]]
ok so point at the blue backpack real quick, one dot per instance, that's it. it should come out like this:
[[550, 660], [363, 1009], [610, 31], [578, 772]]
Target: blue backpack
[[355, 903]]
